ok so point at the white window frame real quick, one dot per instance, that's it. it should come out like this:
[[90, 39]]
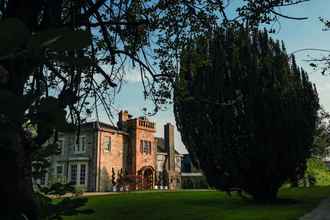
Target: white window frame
[[60, 177], [70, 172], [107, 139], [78, 164], [85, 177], [61, 140], [59, 165], [78, 148]]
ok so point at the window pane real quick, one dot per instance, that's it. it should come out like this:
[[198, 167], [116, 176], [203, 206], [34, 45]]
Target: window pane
[[59, 170], [83, 143], [73, 177], [145, 147], [43, 179], [82, 174], [61, 145], [107, 143]]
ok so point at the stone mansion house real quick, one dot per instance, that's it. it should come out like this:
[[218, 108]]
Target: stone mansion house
[[104, 150]]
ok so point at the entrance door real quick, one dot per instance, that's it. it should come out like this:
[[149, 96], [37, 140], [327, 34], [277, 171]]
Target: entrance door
[[148, 178]]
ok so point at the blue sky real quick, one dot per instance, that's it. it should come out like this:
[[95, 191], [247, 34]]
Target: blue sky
[[296, 35]]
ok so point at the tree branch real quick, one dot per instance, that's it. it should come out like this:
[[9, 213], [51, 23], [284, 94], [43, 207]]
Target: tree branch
[[117, 23], [106, 77], [93, 7], [311, 49], [288, 17]]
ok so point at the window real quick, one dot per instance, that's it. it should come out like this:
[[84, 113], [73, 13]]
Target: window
[[43, 179], [83, 143], [78, 173], [81, 146], [73, 172], [82, 174], [59, 170], [60, 143], [145, 147], [107, 143]]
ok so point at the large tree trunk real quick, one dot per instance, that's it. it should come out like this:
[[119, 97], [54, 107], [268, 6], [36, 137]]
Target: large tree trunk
[[15, 167], [16, 186]]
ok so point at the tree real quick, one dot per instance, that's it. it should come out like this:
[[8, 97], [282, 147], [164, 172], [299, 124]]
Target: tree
[[246, 112], [60, 60], [322, 135]]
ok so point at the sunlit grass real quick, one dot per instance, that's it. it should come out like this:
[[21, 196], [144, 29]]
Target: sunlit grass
[[293, 203]]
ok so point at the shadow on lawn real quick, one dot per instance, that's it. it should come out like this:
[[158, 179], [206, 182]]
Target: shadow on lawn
[[279, 201], [235, 201]]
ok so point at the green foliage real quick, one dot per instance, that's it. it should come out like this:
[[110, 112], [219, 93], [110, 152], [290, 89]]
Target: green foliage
[[322, 135], [14, 38], [245, 114], [318, 169], [13, 106], [70, 204], [67, 206]]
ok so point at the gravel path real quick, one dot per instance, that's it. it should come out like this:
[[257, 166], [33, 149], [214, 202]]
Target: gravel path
[[322, 212]]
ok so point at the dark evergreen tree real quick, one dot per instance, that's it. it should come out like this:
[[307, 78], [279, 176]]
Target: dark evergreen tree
[[246, 114]]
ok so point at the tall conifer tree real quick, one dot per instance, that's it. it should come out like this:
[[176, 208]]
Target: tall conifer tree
[[246, 114]]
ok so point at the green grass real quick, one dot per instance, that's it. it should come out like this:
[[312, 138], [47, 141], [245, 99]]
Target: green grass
[[207, 205]]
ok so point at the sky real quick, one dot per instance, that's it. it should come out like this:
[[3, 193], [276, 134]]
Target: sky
[[295, 34]]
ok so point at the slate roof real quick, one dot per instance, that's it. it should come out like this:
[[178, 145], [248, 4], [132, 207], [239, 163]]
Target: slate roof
[[98, 125]]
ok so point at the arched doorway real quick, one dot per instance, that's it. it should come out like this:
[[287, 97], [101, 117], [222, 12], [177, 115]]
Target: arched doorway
[[148, 177]]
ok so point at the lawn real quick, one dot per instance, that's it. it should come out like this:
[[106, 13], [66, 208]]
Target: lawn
[[207, 205]]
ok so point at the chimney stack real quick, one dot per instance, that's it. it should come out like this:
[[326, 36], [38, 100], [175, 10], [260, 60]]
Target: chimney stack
[[169, 145], [123, 116]]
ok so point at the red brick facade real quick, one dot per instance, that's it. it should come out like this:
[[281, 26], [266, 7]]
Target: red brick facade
[[112, 158], [130, 148], [133, 150]]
